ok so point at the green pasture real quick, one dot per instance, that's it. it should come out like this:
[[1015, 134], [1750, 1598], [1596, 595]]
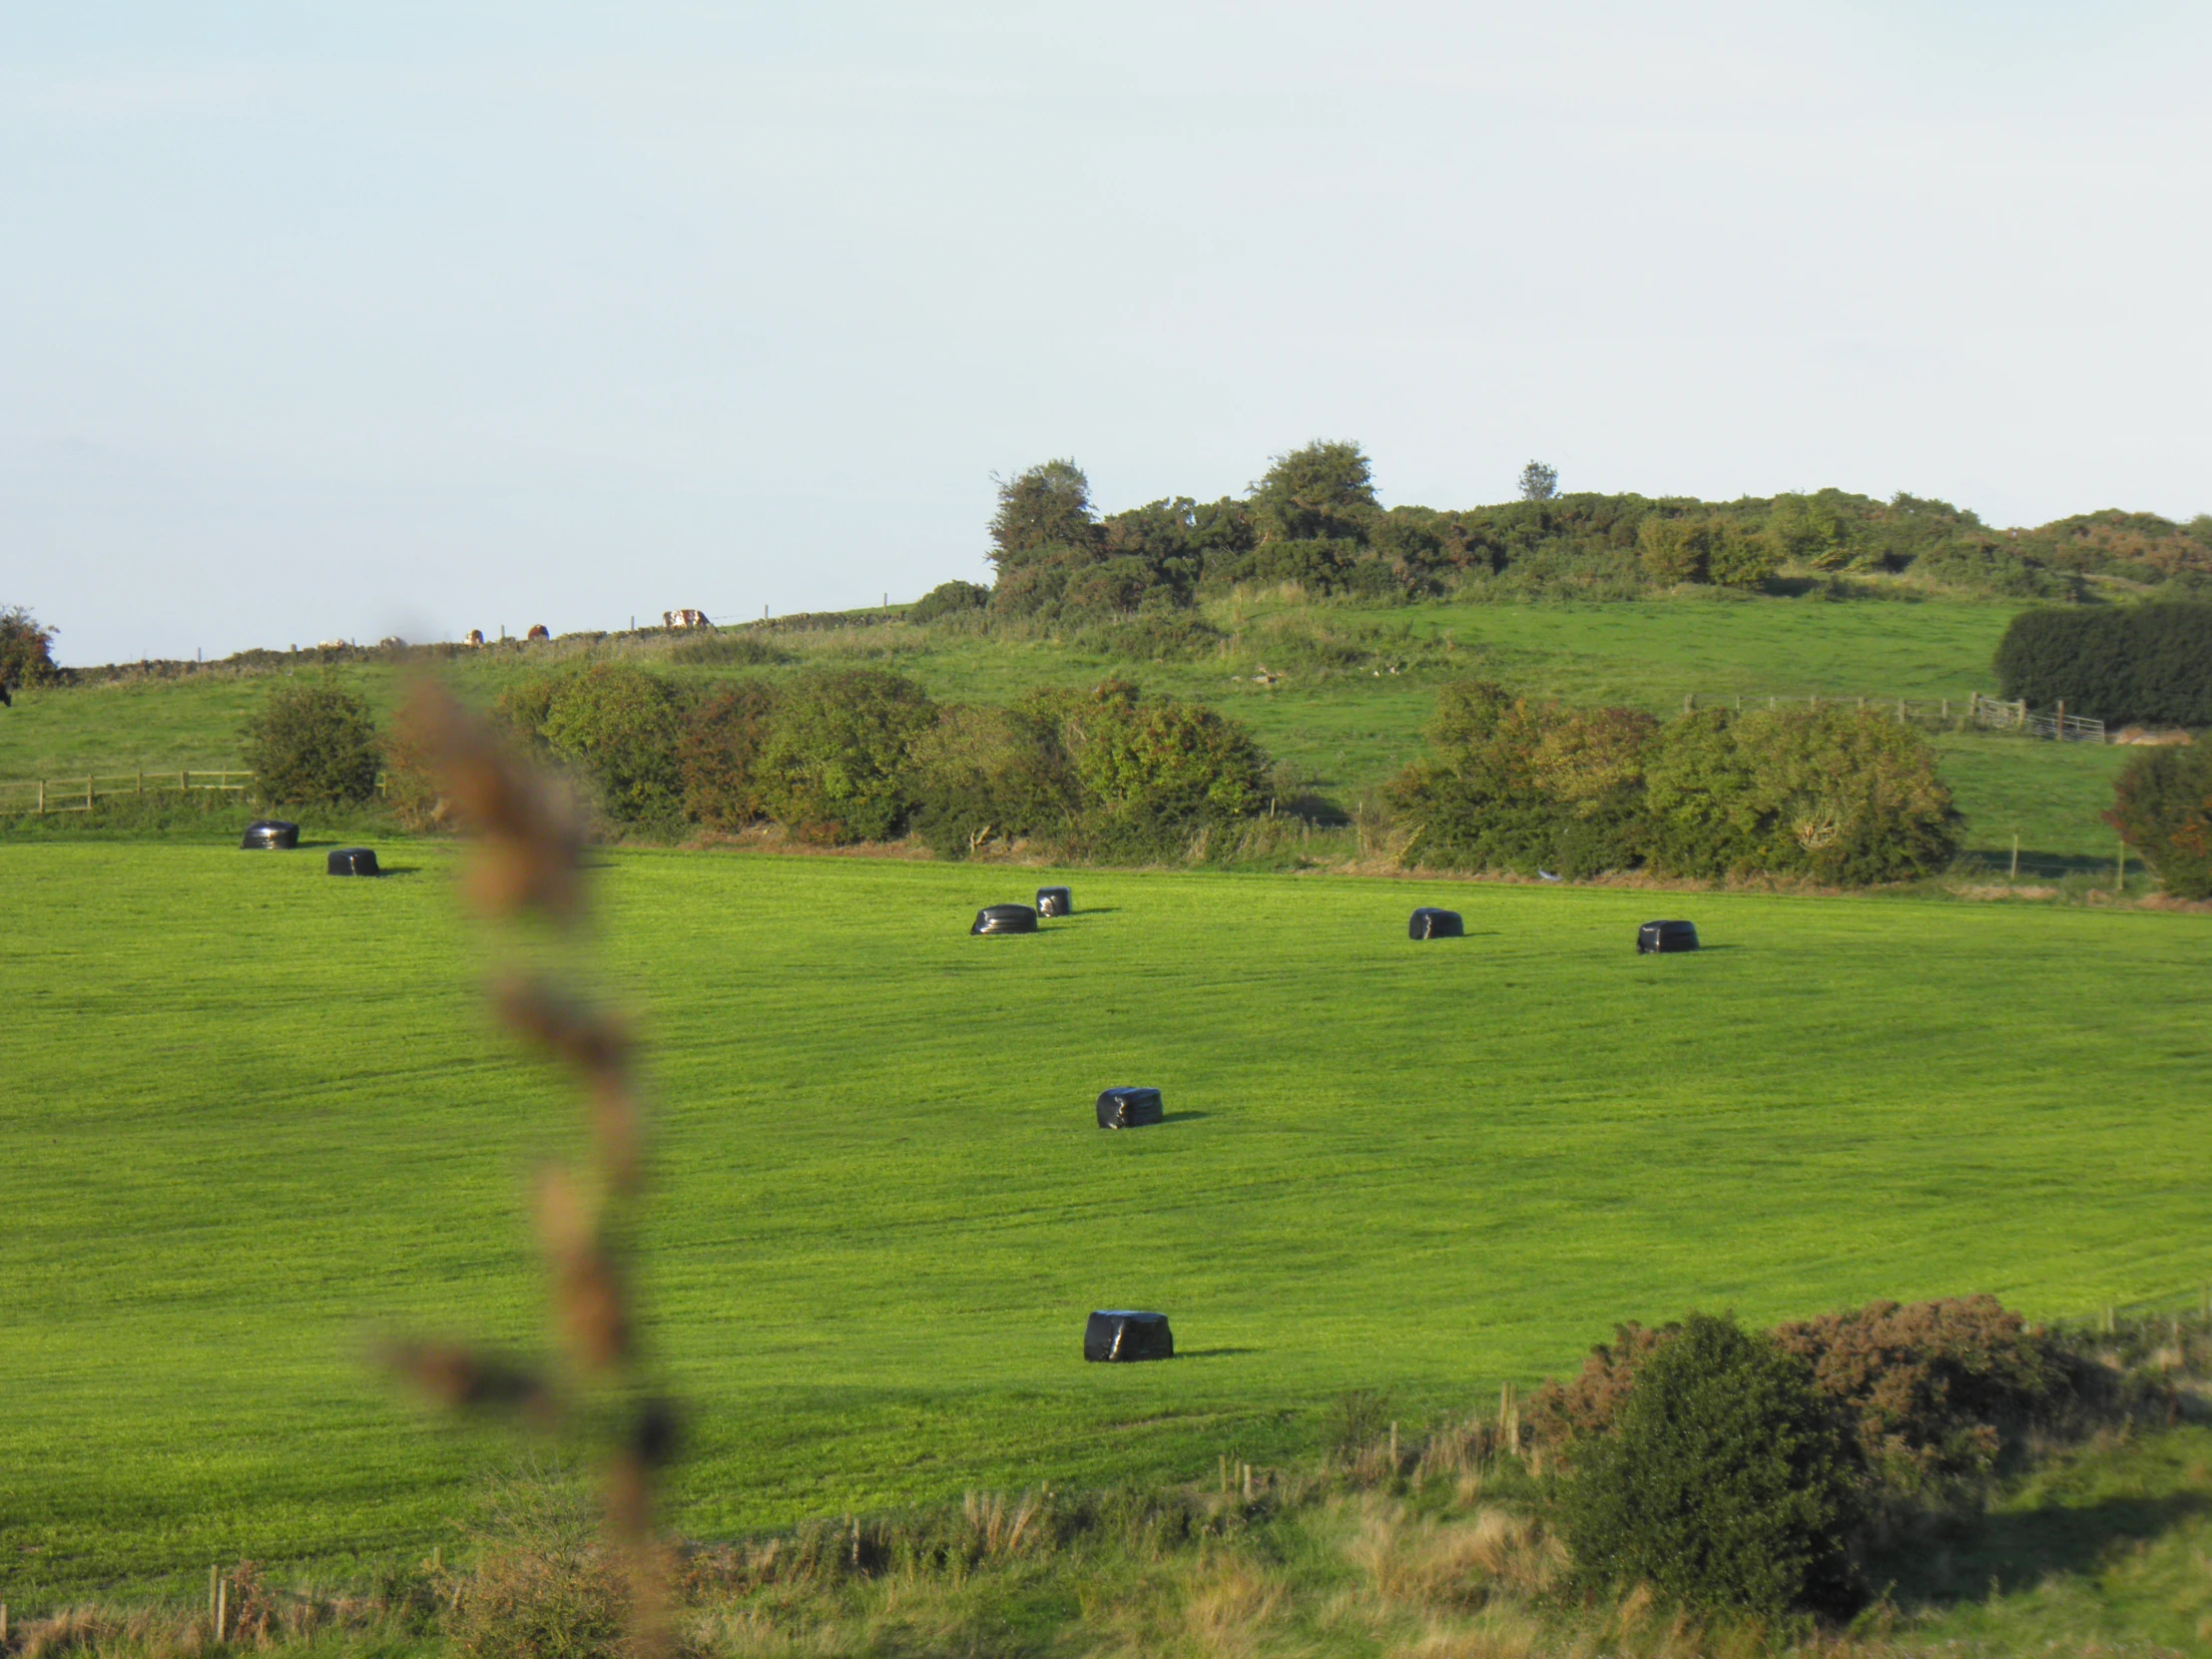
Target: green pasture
[[254, 1116], [1344, 725]]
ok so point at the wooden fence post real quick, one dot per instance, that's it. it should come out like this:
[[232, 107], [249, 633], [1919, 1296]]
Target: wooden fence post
[[183, 779], [2016, 855], [142, 782], [88, 794], [42, 798]]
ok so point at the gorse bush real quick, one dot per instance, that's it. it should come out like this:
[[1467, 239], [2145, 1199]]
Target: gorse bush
[[2149, 663], [313, 743], [1724, 1484], [2162, 808], [717, 756]]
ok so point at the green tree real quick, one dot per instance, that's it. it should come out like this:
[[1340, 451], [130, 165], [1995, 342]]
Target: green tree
[[1538, 482], [949, 599], [2162, 808], [313, 743], [1726, 1484], [26, 648], [1046, 507], [1153, 772], [835, 765], [1323, 492]]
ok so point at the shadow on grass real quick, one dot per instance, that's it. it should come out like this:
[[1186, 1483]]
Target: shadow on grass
[[1212, 1352], [1183, 1117], [1995, 865], [2017, 1551]]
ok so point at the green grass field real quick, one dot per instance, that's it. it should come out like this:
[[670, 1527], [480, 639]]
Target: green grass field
[[1344, 728], [255, 1116]]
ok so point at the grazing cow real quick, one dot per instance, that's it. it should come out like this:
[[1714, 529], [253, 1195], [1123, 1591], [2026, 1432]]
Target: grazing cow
[[540, 631], [475, 637], [331, 645], [685, 618]]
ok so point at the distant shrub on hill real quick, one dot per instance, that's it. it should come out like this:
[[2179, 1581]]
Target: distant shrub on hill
[[2149, 663], [2162, 808], [949, 599], [313, 743], [26, 648], [733, 648]]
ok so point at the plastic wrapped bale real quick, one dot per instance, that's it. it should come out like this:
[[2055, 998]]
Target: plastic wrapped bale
[[1659, 937], [1055, 902], [353, 860], [1120, 1335], [1005, 918], [1431, 923], [1129, 1108], [265, 833]]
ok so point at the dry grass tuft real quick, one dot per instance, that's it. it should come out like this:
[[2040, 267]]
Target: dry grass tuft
[[1457, 1563]]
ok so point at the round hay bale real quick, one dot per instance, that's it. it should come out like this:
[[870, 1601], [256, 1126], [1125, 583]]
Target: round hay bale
[[1431, 923], [1664, 938], [353, 860], [1055, 902], [1120, 1336], [1005, 918], [269, 832], [1128, 1108]]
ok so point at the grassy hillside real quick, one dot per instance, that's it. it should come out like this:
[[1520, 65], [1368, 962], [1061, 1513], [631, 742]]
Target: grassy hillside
[[1354, 691], [255, 1116]]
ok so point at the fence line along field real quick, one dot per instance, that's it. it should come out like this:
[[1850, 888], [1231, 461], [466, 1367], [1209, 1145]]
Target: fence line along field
[[255, 1117]]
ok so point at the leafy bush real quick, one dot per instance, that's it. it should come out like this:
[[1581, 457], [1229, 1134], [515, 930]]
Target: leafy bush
[[981, 774], [2162, 808], [1154, 774], [718, 755], [412, 788], [1724, 1484], [26, 648], [949, 599], [313, 743], [2147, 663], [833, 768], [1840, 795], [617, 725]]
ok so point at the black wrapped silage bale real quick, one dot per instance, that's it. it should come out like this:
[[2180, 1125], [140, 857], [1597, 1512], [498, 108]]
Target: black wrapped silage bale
[[1431, 923], [1656, 939], [1004, 918], [269, 832], [1121, 1335], [1129, 1108], [1055, 902], [353, 861]]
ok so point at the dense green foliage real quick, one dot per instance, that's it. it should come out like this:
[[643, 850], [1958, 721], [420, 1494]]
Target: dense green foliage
[[618, 725], [26, 648], [949, 599], [982, 774], [1315, 520], [1839, 796], [313, 743], [2162, 808], [2146, 664], [834, 765], [1724, 1484], [879, 1207]]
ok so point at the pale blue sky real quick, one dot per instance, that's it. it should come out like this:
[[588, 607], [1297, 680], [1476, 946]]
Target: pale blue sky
[[328, 322]]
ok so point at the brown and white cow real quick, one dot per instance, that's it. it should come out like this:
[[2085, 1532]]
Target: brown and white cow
[[475, 637], [685, 618], [539, 631]]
